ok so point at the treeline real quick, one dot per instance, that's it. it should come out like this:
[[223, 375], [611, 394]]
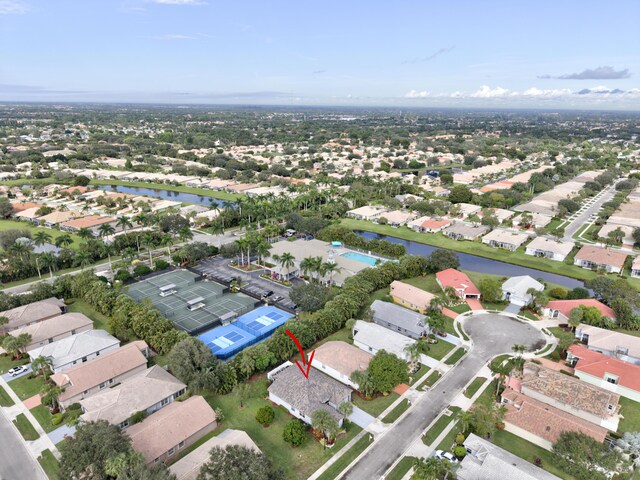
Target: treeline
[[339, 233]]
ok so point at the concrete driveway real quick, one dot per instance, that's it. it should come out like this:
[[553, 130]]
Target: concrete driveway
[[7, 378], [360, 417], [492, 335]]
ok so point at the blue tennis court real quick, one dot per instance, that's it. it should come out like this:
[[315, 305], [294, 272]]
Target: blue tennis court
[[262, 321], [226, 341]]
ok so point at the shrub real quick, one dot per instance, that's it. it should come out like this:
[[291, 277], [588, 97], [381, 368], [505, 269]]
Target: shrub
[[537, 462], [138, 417], [141, 270], [122, 275], [555, 356], [161, 264], [459, 439], [219, 415], [56, 419], [265, 415], [559, 293], [74, 406], [459, 451], [294, 433]]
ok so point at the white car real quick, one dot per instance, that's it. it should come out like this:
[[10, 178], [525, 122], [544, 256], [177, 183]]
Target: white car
[[442, 455], [15, 371]]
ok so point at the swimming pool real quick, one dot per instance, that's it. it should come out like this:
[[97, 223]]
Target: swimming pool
[[361, 257]]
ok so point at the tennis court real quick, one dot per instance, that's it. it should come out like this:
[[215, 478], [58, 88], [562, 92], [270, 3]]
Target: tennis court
[[262, 321], [191, 304], [226, 341]]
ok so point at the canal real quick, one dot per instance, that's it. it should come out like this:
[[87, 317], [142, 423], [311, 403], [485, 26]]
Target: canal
[[478, 264], [164, 194]]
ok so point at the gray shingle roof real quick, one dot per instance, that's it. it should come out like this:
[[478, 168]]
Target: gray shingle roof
[[398, 316]]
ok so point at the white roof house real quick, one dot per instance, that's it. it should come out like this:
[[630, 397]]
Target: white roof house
[[368, 212], [515, 289], [507, 239], [548, 248], [372, 338]]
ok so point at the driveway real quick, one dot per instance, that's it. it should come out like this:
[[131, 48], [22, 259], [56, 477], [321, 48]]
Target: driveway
[[512, 308], [7, 378], [360, 417], [492, 334]]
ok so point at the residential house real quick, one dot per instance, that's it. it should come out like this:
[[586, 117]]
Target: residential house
[[615, 344], [59, 217], [527, 417], [339, 360], [372, 338], [635, 267], [410, 297], [538, 220], [459, 281], [428, 224], [28, 215], [33, 312], [92, 223], [53, 329], [302, 396], [396, 218], [600, 258], [368, 212], [546, 248], [516, 289], [146, 392], [606, 372], [571, 395], [561, 309], [506, 239], [500, 213], [188, 467], [399, 319], [106, 371], [464, 231], [76, 349], [485, 461], [468, 209], [161, 435]]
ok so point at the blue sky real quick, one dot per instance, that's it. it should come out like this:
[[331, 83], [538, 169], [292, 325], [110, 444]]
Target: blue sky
[[556, 54]]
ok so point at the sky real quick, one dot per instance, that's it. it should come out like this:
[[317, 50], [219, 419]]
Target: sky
[[497, 54]]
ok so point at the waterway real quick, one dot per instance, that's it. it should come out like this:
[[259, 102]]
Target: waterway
[[478, 264], [164, 194]]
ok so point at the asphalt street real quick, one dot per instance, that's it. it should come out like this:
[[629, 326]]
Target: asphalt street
[[15, 461], [492, 335]]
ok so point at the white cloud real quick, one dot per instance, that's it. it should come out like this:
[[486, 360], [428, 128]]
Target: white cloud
[[178, 2], [485, 91], [546, 93], [417, 94], [13, 7]]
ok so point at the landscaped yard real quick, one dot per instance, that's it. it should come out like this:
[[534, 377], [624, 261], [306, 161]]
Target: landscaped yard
[[455, 356], [269, 440], [432, 379], [438, 427], [349, 456], [100, 322], [428, 283], [49, 464], [25, 428], [398, 410], [401, 469], [460, 308], [6, 363], [439, 350], [474, 386], [419, 374], [16, 225], [631, 412], [26, 387], [376, 406], [43, 416], [448, 327], [5, 399]]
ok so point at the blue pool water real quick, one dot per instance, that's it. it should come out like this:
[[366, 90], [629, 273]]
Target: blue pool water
[[360, 257]]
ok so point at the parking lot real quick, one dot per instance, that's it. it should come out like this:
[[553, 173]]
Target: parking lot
[[218, 269]]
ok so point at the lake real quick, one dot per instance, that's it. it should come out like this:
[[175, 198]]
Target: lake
[[478, 264], [164, 194]]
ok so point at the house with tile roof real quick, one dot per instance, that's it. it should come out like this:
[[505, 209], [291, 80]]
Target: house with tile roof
[[92, 222], [59, 217], [33, 312], [396, 218], [339, 360], [302, 396], [516, 289], [615, 344], [464, 231], [606, 372], [561, 309], [410, 297], [505, 239], [600, 258], [635, 268], [459, 281], [167, 432], [54, 329], [428, 224], [544, 247], [368, 212]]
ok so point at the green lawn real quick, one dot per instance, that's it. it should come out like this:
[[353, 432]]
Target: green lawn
[[269, 440], [349, 456], [631, 412], [528, 451], [100, 321], [474, 386], [25, 428], [398, 410], [161, 186], [26, 387], [6, 363], [438, 427], [414, 377], [17, 225], [432, 379], [494, 306], [439, 350], [455, 356], [446, 443], [529, 315], [461, 308], [376, 406], [401, 469], [5, 399], [448, 327], [43, 416], [49, 464], [427, 283]]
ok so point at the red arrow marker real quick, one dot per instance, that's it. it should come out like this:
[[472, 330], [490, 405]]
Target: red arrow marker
[[305, 371]]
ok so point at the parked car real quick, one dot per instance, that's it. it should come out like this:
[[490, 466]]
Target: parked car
[[442, 455], [15, 371], [268, 293], [277, 298]]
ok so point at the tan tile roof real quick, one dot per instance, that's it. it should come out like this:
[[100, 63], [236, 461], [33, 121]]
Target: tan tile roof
[[166, 428], [411, 294], [88, 222], [60, 217], [601, 256], [53, 327], [33, 312], [342, 357]]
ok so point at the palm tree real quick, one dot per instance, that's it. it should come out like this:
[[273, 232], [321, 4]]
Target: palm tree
[[64, 240], [83, 258], [48, 261], [262, 249], [502, 370], [287, 260], [148, 241], [464, 420], [21, 249], [108, 250], [306, 265], [323, 422], [124, 222], [4, 321], [436, 303], [41, 364], [241, 243], [331, 268], [85, 233], [41, 237], [185, 234], [106, 229], [167, 241], [49, 397], [413, 351]]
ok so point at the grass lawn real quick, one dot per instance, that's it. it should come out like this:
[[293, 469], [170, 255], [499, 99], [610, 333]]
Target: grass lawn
[[528, 451], [6, 363], [463, 307], [438, 427], [26, 429], [631, 412], [100, 322], [494, 306], [439, 350], [455, 356], [376, 406], [446, 443], [419, 374], [427, 283], [349, 456], [49, 464], [529, 315], [17, 225], [269, 440], [5, 399], [432, 379], [399, 409], [401, 469], [448, 327], [474, 386], [161, 186], [26, 387], [43, 416]]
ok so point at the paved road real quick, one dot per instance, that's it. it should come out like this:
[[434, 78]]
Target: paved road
[[584, 215], [15, 461], [492, 335]]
